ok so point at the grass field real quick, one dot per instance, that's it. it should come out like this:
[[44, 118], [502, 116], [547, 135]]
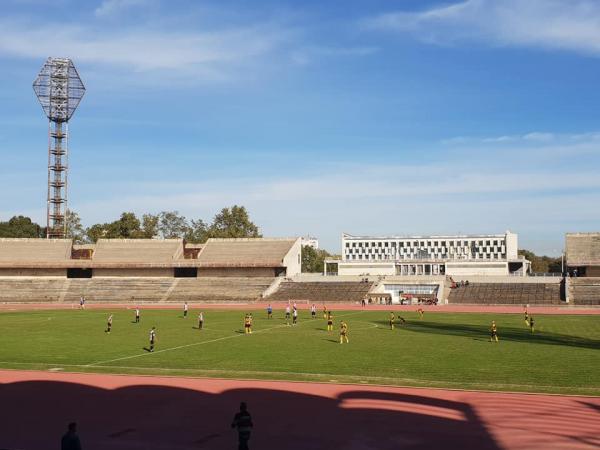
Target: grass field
[[440, 350]]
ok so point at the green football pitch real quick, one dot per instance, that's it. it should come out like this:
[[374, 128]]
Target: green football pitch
[[440, 350]]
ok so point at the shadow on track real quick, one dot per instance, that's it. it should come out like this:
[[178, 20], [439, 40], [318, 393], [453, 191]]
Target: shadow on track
[[164, 417]]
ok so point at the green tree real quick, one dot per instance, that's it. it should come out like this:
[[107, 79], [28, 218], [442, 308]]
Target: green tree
[[313, 259], [75, 230], [233, 222], [21, 227], [149, 226], [172, 225], [127, 227], [542, 264], [197, 232]]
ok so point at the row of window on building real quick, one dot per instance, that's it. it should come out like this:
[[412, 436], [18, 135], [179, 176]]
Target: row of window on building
[[417, 243]]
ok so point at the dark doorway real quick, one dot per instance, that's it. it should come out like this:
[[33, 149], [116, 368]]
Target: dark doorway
[[185, 272], [79, 273]]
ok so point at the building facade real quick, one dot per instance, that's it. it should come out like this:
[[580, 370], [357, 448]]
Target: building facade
[[461, 255]]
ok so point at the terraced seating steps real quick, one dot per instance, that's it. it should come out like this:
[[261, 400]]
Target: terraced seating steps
[[507, 294], [132, 290], [585, 291], [342, 291]]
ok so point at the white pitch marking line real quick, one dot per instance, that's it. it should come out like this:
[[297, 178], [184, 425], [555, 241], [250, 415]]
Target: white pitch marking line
[[199, 343]]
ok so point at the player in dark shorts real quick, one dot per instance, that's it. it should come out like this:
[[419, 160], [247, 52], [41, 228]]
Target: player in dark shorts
[[109, 323], [247, 324], [287, 314], [269, 311], [295, 317], [526, 317], [493, 332], [329, 321], [392, 320], [200, 320], [152, 338], [137, 315], [185, 310], [531, 324], [313, 311]]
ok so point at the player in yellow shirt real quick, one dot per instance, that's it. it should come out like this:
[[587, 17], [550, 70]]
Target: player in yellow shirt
[[392, 320], [343, 332], [493, 332], [324, 312], [248, 324]]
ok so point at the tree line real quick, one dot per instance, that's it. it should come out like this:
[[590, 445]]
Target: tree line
[[233, 222], [542, 264]]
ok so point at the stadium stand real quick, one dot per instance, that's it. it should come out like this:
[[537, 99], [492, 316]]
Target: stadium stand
[[243, 252], [34, 250], [31, 290], [132, 290], [219, 289], [584, 291], [583, 254], [119, 290], [507, 294], [330, 291], [134, 250]]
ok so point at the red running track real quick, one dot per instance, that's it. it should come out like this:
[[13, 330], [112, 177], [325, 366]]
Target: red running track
[[135, 412]]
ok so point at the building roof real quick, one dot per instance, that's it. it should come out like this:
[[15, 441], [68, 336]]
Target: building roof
[[245, 252], [582, 249], [34, 250], [150, 251], [457, 236]]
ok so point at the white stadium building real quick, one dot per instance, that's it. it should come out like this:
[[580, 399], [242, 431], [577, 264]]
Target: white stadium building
[[460, 255]]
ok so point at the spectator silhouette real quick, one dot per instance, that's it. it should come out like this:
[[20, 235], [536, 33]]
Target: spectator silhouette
[[70, 441], [243, 422]]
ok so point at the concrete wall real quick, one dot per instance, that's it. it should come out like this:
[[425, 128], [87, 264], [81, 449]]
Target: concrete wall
[[354, 269], [33, 273], [512, 245], [124, 273], [464, 269], [236, 272], [293, 260]]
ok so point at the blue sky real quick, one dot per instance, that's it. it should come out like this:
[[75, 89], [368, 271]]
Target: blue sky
[[368, 117]]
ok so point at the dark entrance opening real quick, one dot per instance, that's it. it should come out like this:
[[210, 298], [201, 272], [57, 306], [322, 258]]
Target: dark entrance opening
[[79, 273], [185, 272]]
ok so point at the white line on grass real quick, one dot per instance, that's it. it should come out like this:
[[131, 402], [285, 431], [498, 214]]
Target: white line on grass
[[200, 343]]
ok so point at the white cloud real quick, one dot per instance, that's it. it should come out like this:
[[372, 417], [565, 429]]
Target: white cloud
[[539, 192], [204, 55], [539, 137], [550, 24], [110, 7]]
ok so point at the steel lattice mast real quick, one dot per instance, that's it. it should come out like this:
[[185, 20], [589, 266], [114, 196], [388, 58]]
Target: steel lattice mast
[[59, 90]]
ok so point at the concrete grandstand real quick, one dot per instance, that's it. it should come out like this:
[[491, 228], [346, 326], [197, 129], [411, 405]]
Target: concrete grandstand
[[144, 270]]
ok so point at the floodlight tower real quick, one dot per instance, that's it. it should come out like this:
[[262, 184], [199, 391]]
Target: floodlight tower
[[59, 90]]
